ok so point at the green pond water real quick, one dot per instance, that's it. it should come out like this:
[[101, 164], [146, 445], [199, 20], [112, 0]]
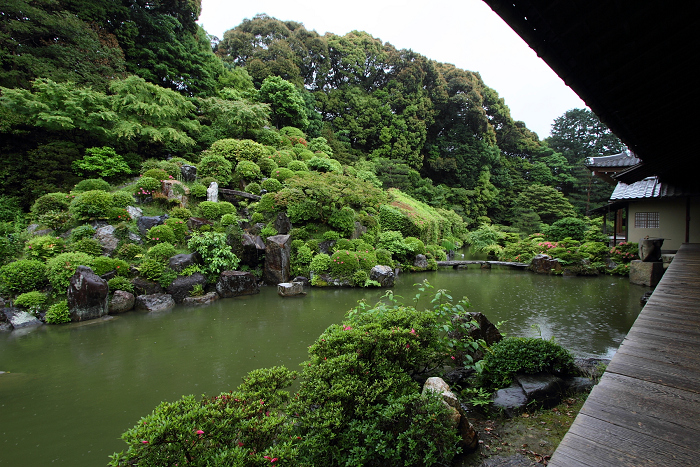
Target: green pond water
[[68, 392]]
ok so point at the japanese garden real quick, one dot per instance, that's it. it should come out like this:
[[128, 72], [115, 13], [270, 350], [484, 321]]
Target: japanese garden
[[272, 215]]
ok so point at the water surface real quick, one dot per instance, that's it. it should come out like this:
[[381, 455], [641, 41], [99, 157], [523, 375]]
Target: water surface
[[71, 390]]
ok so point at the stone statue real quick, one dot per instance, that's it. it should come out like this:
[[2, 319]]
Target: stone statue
[[213, 192]]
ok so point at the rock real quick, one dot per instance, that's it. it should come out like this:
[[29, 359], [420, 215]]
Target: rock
[[105, 236], [328, 280], [304, 281], [171, 193], [646, 273], [544, 264], [484, 329], [134, 212], [189, 173], [88, 295], [382, 274], [206, 299], [195, 223], [326, 247], [154, 302], [359, 231], [181, 287], [121, 301], [511, 400], [179, 262], [420, 262], [277, 258], [250, 250], [578, 384], [213, 192], [145, 287], [545, 389], [255, 229], [469, 437], [290, 289], [282, 224], [650, 249], [14, 318], [146, 222], [236, 283]]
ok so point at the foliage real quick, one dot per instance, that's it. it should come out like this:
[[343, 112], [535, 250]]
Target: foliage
[[50, 202], [22, 276], [320, 264], [161, 252], [343, 221], [43, 247], [158, 174], [287, 105], [91, 184], [161, 233], [624, 252], [567, 227], [58, 313], [248, 170], [120, 283], [344, 263], [103, 162], [246, 427], [524, 355], [272, 185], [31, 300], [595, 251], [547, 202], [103, 264], [209, 210], [178, 226], [93, 204], [61, 268], [216, 255], [486, 239], [217, 166], [129, 251], [89, 246], [393, 241]]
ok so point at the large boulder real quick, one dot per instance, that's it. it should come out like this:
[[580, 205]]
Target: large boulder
[[144, 223], [143, 286], [206, 299], [14, 318], [469, 438], [466, 330], [277, 259], [189, 173], [420, 262], [88, 295], [181, 287], [107, 239], [171, 192], [121, 301], [544, 264], [282, 224], [154, 302], [250, 249], [134, 212], [179, 262], [290, 289], [383, 274], [236, 283]]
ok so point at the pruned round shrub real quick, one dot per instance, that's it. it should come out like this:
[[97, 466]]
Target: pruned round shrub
[[344, 263], [298, 166], [320, 264], [158, 174], [122, 199], [93, 204], [147, 186], [91, 184], [253, 188], [248, 170], [58, 313], [198, 190], [22, 276], [87, 245], [161, 233], [151, 269], [229, 219], [179, 212], [226, 207], [161, 252], [272, 185], [129, 251], [527, 355], [282, 174], [51, 202], [384, 257], [217, 166], [31, 300], [103, 264], [209, 210], [320, 164], [178, 226], [267, 165], [343, 220], [60, 268]]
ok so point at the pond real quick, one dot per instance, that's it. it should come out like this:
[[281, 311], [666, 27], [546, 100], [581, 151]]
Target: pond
[[69, 391]]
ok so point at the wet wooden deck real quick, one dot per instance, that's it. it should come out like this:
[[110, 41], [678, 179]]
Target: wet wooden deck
[[646, 408]]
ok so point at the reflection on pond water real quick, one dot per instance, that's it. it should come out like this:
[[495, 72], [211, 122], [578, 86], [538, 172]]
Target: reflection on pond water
[[71, 390]]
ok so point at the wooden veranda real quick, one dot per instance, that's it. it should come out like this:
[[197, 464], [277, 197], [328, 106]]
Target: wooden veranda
[[646, 408]]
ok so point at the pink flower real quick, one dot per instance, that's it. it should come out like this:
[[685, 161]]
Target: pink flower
[[413, 331], [199, 432], [144, 442], [347, 328]]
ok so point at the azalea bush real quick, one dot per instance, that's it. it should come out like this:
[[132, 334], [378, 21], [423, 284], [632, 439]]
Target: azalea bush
[[59, 269], [22, 276]]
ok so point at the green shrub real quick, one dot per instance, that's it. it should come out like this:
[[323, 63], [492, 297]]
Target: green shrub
[[179, 212], [31, 300], [343, 221], [394, 242], [147, 186], [161, 252], [51, 202], [416, 246], [624, 252], [158, 174], [229, 219], [248, 170], [129, 251], [60, 269], [344, 263], [571, 227], [320, 164], [58, 313], [179, 228], [122, 199], [103, 264], [151, 269], [384, 257], [526, 355], [282, 174], [595, 251], [216, 255], [161, 233], [198, 190], [22, 276], [267, 165], [209, 210], [91, 184], [120, 283], [320, 264], [44, 247], [55, 220], [298, 166], [93, 204], [214, 165], [272, 185], [253, 188], [331, 235], [81, 232], [87, 245], [172, 166]]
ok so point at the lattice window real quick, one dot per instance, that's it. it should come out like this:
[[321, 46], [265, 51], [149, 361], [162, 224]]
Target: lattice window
[[646, 220]]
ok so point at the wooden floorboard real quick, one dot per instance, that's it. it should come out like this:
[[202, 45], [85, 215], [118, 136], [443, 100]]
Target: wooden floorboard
[[646, 408]]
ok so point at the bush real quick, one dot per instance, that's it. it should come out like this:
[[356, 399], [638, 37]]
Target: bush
[[91, 184], [571, 227], [129, 251], [81, 232], [94, 204], [51, 202], [209, 210], [282, 174], [158, 174], [179, 228], [343, 221], [161, 233], [87, 245], [58, 313], [198, 190], [44, 247], [272, 185], [595, 251], [384, 257], [180, 213], [161, 252], [298, 166], [320, 264], [253, 188], [267, 165], [60, 269], [120, 283], [22, 276], [320, 164], [31, 300], [102, 265], [344, 263], [216, 255], [147, 186], [526, 355], [248, 170], [214, 165]]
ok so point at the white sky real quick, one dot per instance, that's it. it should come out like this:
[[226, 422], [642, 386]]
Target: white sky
[[466, 33]]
